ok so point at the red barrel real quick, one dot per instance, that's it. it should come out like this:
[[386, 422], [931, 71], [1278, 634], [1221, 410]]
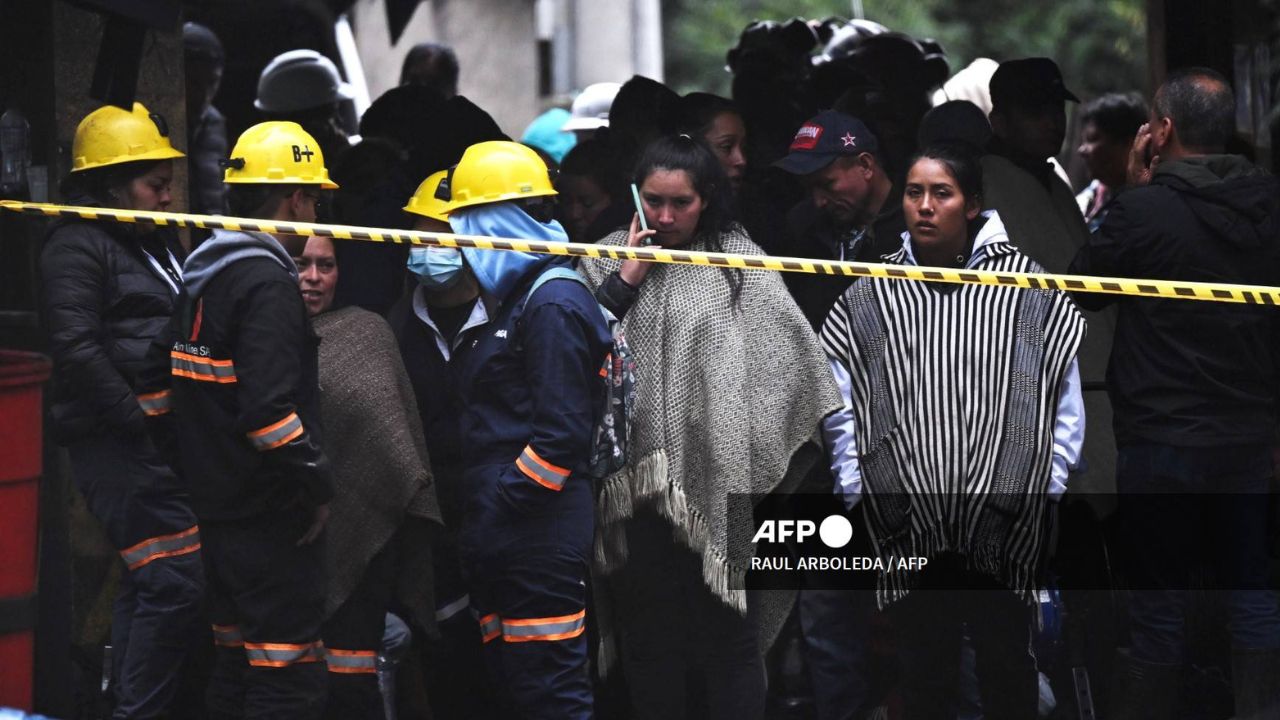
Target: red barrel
[[21, 411]]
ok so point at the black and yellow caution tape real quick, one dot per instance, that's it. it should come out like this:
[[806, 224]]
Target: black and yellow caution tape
[[1213, 292]]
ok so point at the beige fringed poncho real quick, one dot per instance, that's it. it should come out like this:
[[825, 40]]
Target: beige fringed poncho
[[725, 397]]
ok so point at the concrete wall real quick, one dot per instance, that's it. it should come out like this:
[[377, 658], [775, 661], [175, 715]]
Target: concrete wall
[[381, 58], [497, 52], [616, 39], [496, 42]]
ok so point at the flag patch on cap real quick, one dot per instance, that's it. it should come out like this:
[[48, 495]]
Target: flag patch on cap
[[807, 137]]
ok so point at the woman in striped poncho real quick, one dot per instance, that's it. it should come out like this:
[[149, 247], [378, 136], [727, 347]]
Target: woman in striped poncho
[[962, 417]]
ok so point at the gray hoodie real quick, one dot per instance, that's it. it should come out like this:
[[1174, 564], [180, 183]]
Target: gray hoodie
[[225, 248]]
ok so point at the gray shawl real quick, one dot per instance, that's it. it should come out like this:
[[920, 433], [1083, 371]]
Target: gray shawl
[[373, 437], [725, 398]]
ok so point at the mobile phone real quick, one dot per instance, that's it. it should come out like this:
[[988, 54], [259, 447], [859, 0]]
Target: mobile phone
[[635, 195]]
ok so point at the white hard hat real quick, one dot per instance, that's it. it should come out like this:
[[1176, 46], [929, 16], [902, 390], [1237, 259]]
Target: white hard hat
[[300, 80], [591, 107]]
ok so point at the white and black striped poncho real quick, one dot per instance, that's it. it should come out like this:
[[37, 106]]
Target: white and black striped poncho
[[954, 392]]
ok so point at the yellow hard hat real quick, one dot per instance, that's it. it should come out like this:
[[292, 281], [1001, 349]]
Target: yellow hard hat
[[430, 200], [112, 135], [277, 153], [498, 170]]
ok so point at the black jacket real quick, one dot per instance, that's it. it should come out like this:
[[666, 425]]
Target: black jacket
[[206, 145], [103, 303], [812, 234], [1186, 372], [434, 379], [238, 368], [373, 273]]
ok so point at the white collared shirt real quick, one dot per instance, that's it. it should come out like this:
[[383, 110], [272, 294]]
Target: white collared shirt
[[479, 316]]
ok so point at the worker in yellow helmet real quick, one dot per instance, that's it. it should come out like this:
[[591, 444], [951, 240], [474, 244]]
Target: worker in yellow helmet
[[530, 390], [108, 288], [240, 375], [443, 311], [440, 272]]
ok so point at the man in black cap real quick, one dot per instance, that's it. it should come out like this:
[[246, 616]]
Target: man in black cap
[[852, 212], [1028, 123], [1028, 111]]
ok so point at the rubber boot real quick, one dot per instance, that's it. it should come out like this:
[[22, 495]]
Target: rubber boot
[[1144, 690], [1255, 682]]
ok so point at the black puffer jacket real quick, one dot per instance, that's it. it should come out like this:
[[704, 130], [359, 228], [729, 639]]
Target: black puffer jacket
[[103, 303]]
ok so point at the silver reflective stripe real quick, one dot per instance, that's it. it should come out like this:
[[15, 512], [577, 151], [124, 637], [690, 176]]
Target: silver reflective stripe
[[449, 610], [282, 654], [552, 629], [187, 541], [277, 434], [351, 661], [533, 466], [195, 368]]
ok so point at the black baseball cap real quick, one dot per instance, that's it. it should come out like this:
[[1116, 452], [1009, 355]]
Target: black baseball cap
[[825, 137], [1028, 82]]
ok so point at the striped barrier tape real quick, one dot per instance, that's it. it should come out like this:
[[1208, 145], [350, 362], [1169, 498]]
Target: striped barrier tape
[[1175, 289]]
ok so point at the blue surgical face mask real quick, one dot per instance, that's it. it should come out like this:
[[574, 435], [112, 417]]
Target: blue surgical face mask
[[437, 268]]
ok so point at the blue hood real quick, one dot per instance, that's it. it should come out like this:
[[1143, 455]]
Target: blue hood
[[226, 247], [545, 134], [498, 271]]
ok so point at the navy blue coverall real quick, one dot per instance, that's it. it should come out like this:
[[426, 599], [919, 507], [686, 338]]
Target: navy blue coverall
[[530, 385]]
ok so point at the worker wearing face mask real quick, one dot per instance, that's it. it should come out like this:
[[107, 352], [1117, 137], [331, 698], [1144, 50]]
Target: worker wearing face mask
[[443, 309], [529, 388]]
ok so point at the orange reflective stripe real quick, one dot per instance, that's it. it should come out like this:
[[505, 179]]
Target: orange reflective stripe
[[277, 433], [212, 362], [351, 662], [163, 546], [561, 627], [283, 654], [540, 471], [533, 455], [490, 627], [227, 636], [156, 403], [195, 326], [194, 367]]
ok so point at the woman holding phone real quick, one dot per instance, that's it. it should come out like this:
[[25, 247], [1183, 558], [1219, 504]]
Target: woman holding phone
[[731, 386]]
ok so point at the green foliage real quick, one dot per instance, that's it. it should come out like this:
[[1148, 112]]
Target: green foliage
[[1100, 44]]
